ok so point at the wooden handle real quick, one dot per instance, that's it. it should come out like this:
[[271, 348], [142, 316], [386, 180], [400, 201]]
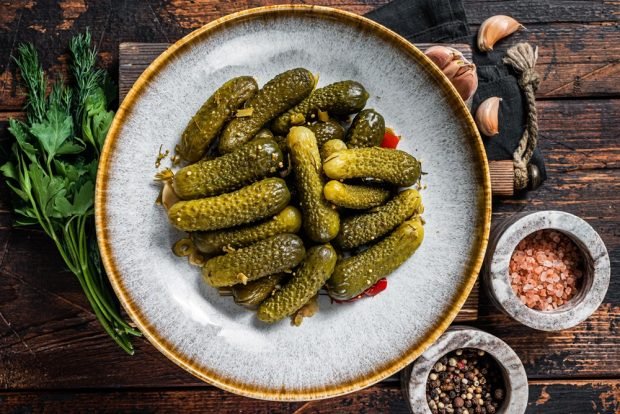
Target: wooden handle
[[502, 178]]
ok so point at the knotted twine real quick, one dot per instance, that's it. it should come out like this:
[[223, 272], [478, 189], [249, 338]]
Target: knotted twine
[[522, 57]]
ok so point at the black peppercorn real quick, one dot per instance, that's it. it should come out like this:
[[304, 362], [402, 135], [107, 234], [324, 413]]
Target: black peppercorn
[[498, 394]]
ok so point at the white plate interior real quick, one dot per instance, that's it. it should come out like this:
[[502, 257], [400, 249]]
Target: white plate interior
[[342, 343]]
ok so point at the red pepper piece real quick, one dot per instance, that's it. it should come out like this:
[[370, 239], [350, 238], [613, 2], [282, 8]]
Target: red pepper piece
[[371, 291], [390, 140], [376, 288]]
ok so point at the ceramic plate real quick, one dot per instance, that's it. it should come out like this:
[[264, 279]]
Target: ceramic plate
[[344, 347]]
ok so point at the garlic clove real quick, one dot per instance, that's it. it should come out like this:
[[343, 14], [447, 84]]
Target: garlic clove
[[494, 29], [466, 81], [487, 116], [457, 69], [453, 67], [443, 55]]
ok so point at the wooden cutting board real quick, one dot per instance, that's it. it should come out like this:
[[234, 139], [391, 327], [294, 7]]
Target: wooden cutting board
[[135, 57]]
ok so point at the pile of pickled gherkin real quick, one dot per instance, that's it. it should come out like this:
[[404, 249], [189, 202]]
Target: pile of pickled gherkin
[[281, 199]]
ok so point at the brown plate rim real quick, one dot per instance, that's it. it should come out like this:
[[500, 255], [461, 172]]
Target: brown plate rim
[[204, 373]]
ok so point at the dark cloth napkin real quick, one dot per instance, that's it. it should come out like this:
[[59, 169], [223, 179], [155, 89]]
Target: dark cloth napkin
[[444, 21]]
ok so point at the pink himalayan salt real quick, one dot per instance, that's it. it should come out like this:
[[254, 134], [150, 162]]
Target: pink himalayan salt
[[545, 270]]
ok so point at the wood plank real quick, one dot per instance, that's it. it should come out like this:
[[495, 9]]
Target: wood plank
[[576, 59], [50, 339], [557, 11], [548, 397], [573, 60]]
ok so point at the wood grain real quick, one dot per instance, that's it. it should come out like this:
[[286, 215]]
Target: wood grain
[[51, 345], [537, 12], [548, 397], [502, 178], [576, 59]]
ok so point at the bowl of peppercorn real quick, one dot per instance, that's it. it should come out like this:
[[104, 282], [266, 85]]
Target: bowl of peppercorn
[[467, 371], [548, 270]]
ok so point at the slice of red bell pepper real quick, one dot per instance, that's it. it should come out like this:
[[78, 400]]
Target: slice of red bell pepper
[[374, 290], [390, 140]]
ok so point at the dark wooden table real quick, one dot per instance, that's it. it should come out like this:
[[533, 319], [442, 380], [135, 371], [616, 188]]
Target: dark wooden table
[[54, 356]]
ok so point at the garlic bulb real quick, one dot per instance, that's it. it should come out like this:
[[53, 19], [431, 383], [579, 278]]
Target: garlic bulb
[[443, 55], [460, 72], [494, 29], [466, 81], [487, 116]]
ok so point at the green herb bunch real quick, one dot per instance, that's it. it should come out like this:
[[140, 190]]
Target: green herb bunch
[[53, 165]]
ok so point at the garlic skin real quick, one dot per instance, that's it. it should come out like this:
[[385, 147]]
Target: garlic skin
[[487, 116], [460, 72], [494, 29], [443, 55], [466, 81]]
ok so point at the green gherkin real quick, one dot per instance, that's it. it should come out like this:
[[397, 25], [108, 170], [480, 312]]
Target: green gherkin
[[255, 160], [321, 222], [332, 146], [368, 226], [263, 133], [276, 254], [324, 131], [316, 268], [358, 197], [254, 293], [246, 205], [211, 117], [340, 98], [390, 165], [355, 274], [276, 96], [286, 221], [367, 130]]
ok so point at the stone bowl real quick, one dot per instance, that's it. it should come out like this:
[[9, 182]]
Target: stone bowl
[[505, 238], [415, 376]]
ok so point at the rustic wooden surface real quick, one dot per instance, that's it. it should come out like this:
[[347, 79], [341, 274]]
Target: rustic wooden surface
[[55, 358]]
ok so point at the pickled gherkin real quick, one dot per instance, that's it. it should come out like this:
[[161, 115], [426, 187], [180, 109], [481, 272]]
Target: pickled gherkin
[[316, 268], [276, 96], [367, 130], [355, 274], [265, 163], [390, 165], [321, 222], [340, 98], [254, 293], [368, 226], [324, 131], [205, 125], [286, 221], [251, 162], [332, 146], [246, 205], [263, 133], [276, 254], [358, 197]]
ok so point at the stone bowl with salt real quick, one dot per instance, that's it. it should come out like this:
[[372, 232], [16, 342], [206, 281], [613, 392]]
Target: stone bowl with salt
[[548, 270]]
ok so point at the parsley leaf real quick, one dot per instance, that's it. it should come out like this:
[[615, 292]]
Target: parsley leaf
[[52, 170]]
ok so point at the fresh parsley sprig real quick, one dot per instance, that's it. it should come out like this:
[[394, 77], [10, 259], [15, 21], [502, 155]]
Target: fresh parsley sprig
[[53, 166]]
